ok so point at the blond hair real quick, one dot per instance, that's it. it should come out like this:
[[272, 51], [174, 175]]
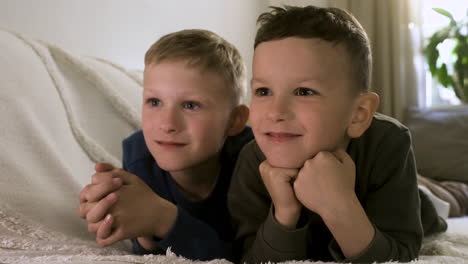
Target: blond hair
[[204, 49]]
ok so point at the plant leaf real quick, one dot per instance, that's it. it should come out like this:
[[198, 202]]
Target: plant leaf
[[445, 13], [442, 76]]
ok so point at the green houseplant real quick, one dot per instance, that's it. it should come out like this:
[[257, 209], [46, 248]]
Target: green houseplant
[[454, 75]]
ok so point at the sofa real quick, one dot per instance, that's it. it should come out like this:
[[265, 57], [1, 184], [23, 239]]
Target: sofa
[[440, 141]]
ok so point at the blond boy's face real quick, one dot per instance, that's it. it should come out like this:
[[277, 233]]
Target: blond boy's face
[[185, 114], [301, 99]]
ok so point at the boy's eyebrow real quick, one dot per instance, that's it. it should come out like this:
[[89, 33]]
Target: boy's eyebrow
[[190, 96], [147, 92], [302, 80], [313, 80], [257, 80]]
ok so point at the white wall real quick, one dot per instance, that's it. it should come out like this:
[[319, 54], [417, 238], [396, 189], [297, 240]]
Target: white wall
[[122, 30]]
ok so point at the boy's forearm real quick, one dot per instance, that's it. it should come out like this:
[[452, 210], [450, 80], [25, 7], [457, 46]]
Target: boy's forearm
[[350, 227]]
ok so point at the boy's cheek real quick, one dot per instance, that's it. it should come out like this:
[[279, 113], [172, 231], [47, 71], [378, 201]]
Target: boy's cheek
[[255, 121]]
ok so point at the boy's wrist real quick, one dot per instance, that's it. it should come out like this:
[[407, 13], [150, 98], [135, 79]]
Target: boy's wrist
[[287, 217], [167, 215], [147, 243], [341, 210], [350, 226]]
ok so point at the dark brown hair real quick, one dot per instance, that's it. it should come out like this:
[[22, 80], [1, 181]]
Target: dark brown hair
[[330, 24], [204, 49]]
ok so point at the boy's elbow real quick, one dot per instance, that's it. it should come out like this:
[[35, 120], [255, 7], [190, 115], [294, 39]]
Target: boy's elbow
[[409, 251], [412, 253], [398, 247], [414, 247]]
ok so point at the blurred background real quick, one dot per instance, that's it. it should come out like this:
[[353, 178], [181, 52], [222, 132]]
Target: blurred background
[[122, 30]]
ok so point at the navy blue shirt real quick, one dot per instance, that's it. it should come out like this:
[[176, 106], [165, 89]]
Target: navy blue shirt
[[202, 229]]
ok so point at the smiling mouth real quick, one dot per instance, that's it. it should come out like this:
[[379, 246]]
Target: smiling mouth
[[281, 137], [170, 144]]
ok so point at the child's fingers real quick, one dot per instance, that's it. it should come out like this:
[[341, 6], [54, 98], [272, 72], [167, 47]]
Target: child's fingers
[[84, 208], [105, 228], [266, 169], [291, 173], [102, 167], [107, 175], [103, 176], [98, 212], [95, 192], [125, 176], [93, 227], [112, 238]]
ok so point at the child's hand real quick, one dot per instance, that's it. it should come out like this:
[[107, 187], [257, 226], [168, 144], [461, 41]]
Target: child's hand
[[103, 183], [326, 181], [105, 229], [137, 212], [278, 182]]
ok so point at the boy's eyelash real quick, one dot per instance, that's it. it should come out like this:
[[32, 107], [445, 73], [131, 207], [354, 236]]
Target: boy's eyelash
[[302, 91]]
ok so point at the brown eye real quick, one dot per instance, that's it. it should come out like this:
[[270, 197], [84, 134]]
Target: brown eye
[[154, 102], [304, 92], [262, 92], [190, 105]]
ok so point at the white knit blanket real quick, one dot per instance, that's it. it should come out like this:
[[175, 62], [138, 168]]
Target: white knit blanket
[[60, 113]]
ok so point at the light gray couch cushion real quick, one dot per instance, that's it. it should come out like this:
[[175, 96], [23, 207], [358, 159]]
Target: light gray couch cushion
[[440, 139]]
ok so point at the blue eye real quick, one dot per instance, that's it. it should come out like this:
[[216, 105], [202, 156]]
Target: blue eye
[[191, 105], [154, 102], [304, 92], [262, 92]]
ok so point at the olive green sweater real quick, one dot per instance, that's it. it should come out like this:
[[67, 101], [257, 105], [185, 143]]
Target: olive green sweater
[[385, 186]]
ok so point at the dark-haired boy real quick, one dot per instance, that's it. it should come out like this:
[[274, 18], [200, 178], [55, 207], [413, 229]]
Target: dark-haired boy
[[326, 178]]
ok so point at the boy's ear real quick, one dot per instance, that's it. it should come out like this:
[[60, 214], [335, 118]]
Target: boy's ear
[[239, 118], [366, 106]]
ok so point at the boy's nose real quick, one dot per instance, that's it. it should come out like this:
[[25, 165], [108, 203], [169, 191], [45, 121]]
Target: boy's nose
[[169, 121], [278, 111], [167, 128]]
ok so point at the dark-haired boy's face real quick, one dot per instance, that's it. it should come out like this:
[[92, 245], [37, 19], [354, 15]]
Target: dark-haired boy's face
[[301, 99]]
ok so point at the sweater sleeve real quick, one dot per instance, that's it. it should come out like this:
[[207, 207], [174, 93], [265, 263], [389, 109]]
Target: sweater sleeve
[[392, 203], [259, 237], [191, 238], [195, 239]]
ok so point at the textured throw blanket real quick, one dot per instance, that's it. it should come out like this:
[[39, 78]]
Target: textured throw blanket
[[23, 241], [60, 113], [452, 192]]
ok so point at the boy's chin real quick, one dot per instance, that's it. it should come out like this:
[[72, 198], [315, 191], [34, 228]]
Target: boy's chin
[[286, 163]]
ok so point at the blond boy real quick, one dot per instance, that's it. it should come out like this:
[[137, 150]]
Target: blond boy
[[172, 189]]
